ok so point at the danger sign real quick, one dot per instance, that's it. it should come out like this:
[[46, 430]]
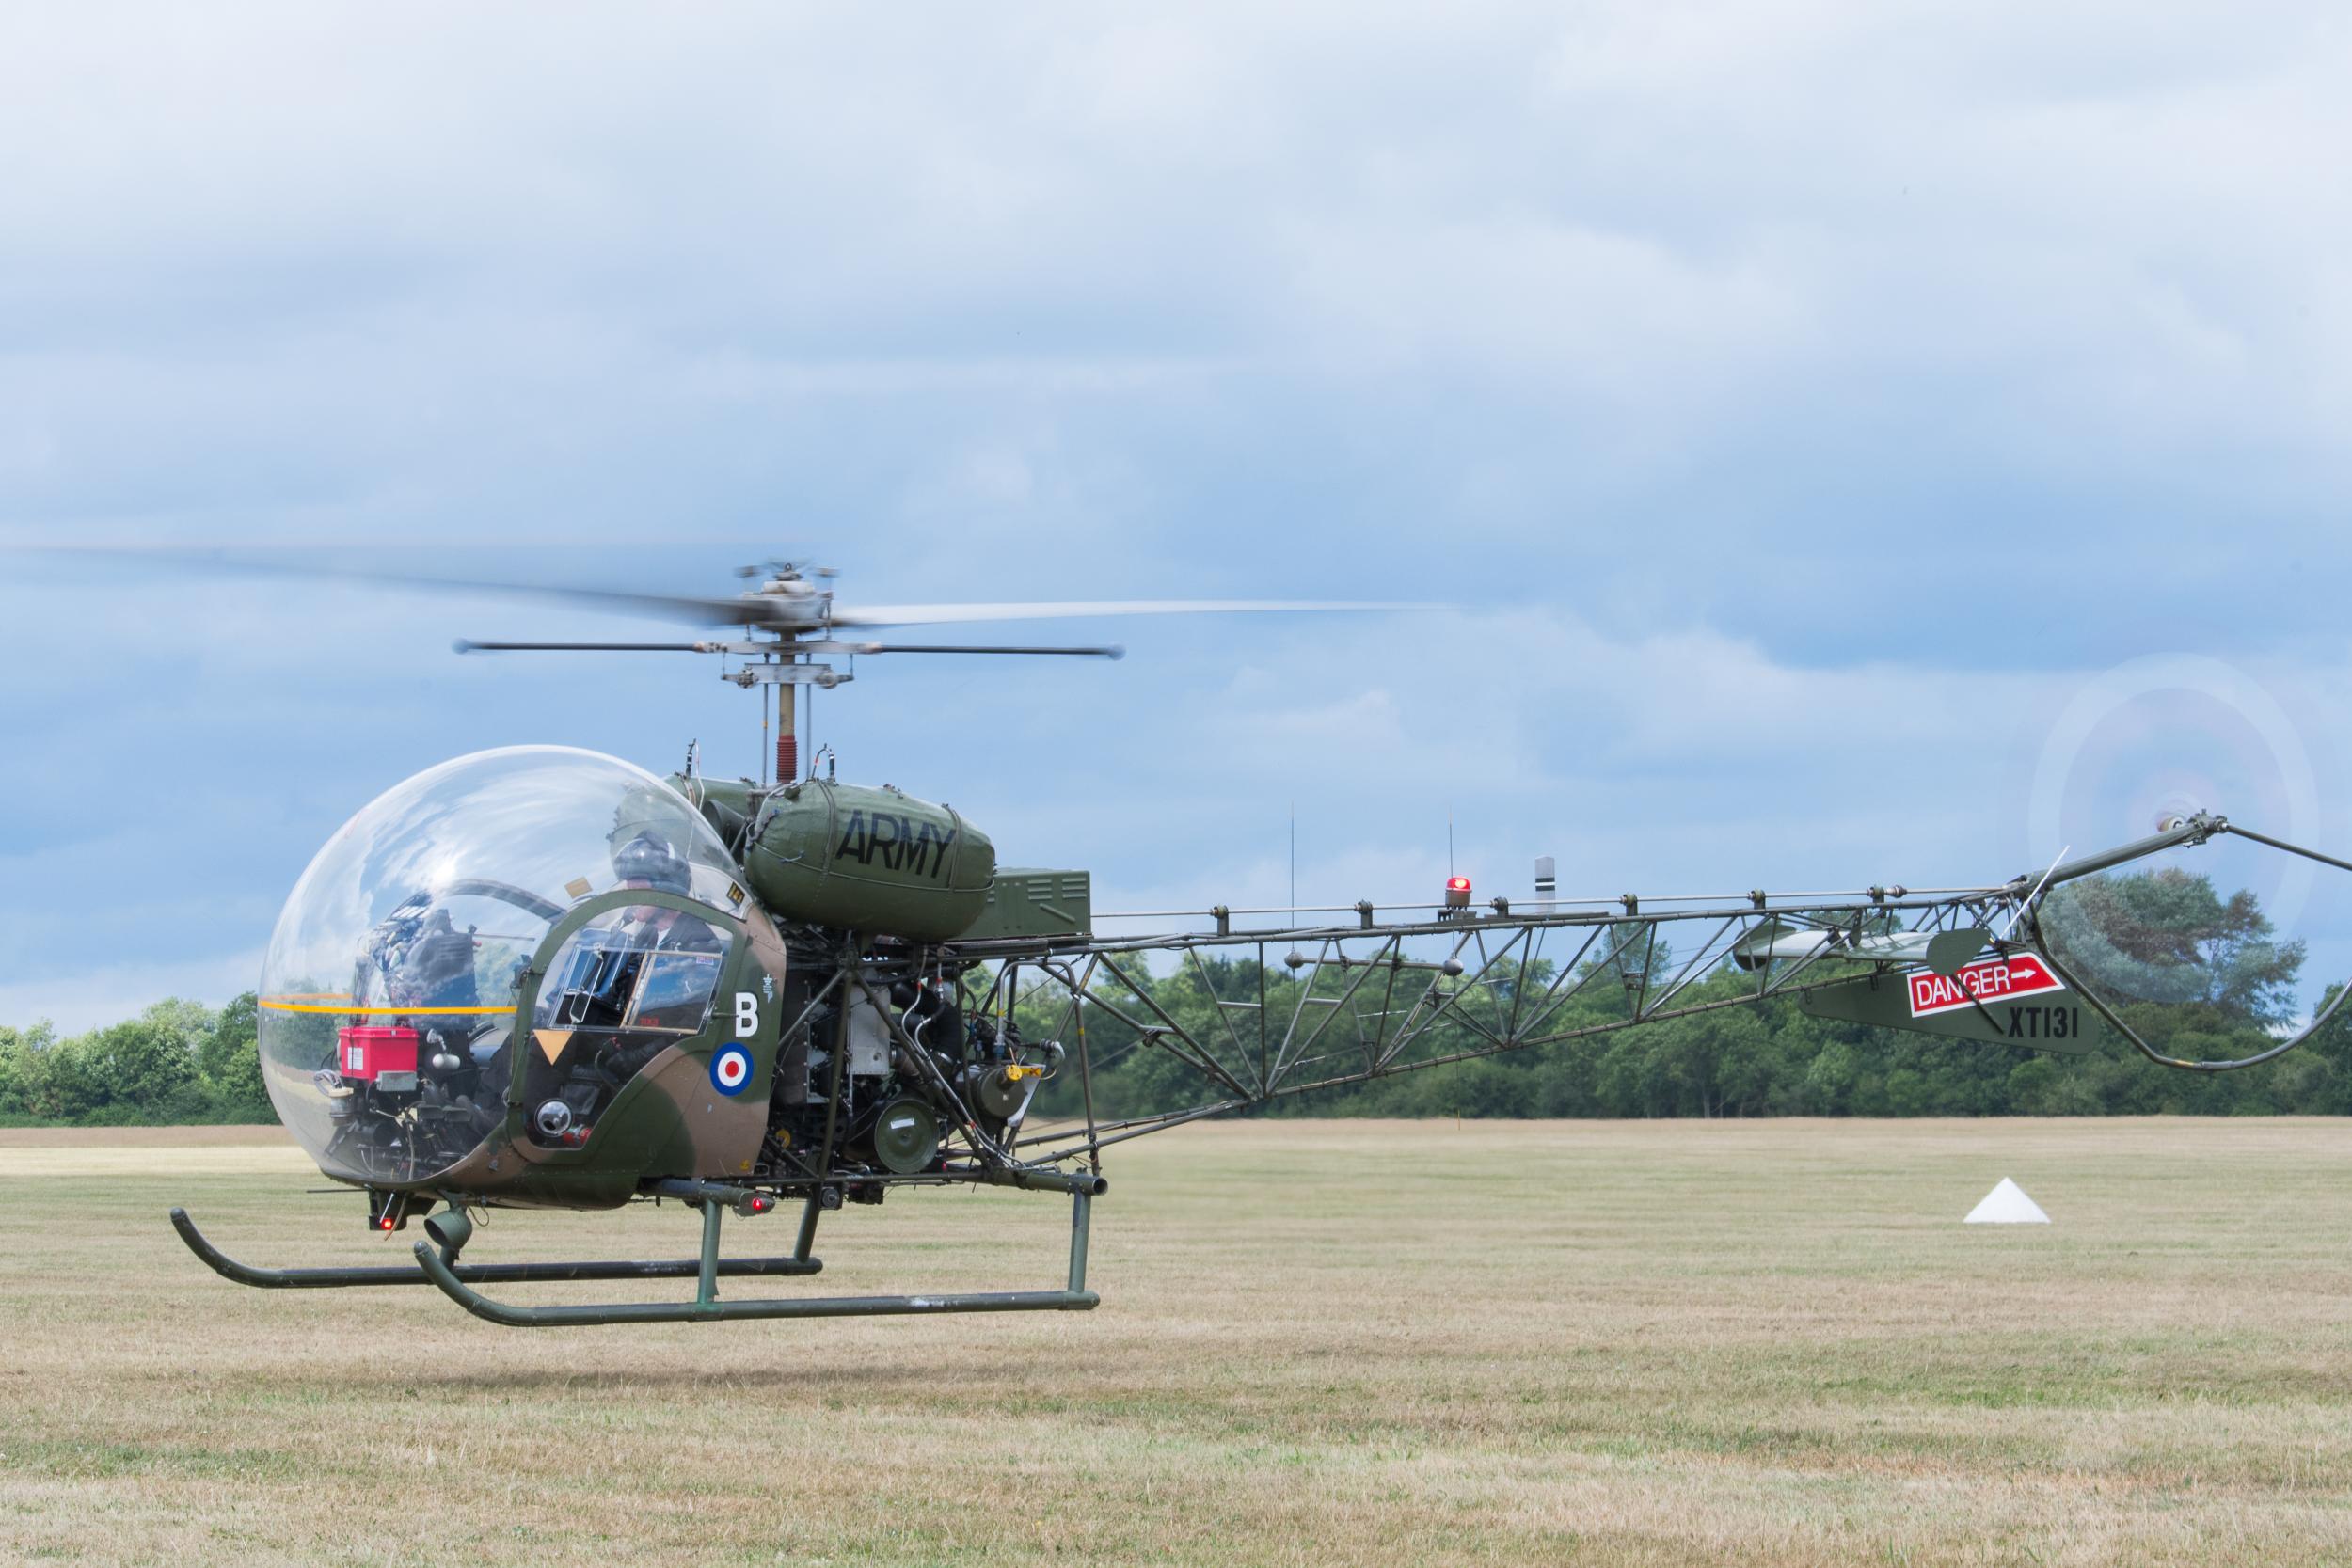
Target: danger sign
[[1991, 980]]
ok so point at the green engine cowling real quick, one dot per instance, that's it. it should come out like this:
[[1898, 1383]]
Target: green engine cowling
[[852, 856]]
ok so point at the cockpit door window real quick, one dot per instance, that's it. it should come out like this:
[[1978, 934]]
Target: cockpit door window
[[625, 985]]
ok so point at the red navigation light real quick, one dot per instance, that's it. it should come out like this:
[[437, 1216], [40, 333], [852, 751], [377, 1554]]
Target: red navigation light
[[384, 1223], [1457, 890]]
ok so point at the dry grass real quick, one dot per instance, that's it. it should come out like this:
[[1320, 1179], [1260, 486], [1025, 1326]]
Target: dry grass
[[1338, 1342]]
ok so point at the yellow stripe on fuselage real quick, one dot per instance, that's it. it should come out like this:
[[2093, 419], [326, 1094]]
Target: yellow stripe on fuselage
[[421, 1009]]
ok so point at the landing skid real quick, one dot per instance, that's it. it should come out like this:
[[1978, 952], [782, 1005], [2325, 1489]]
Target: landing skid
[[474, 1274], [706, 1308], [438, 1266]]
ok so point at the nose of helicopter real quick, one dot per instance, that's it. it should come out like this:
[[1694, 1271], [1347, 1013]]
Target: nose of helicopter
[[391, 978]]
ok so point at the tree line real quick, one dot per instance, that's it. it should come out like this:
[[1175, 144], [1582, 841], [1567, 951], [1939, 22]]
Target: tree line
[[177, 1062], [2206, 975]]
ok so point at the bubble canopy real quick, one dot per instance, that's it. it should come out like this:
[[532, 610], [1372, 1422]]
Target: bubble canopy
[[392, 975]]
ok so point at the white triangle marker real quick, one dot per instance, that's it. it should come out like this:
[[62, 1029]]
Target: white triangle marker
[[2007, 1204]]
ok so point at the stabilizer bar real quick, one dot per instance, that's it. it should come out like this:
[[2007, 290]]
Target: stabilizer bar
[[479, 1273]]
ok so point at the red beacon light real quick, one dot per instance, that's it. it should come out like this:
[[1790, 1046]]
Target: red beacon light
[[1457, 892]]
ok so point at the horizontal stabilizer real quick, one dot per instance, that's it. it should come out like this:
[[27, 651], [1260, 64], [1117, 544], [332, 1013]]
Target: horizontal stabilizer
[[2011, 1000]]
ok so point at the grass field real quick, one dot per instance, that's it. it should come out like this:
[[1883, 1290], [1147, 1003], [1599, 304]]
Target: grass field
[[1320, 1343]]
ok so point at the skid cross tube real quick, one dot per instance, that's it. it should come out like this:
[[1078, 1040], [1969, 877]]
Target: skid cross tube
[[706, 1307], [472, 1274]]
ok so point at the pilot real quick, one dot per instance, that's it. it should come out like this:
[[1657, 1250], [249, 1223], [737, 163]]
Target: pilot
[[646, 862], [437, 967]]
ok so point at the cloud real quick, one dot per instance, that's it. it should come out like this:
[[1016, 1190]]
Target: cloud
[[1804, 396], [88, 998]]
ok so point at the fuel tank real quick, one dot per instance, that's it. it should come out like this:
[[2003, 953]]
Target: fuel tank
[[853, 856]]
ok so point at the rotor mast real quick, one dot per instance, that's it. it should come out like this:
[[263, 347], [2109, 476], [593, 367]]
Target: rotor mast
[[786, 666], [785, 662]]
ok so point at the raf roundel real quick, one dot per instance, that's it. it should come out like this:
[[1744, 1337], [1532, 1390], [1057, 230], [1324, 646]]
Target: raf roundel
[[730, 1070]]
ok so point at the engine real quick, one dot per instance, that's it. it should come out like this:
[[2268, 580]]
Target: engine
[[911, 1063]]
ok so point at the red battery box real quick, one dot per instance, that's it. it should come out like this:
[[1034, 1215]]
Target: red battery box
[[369, 1051]]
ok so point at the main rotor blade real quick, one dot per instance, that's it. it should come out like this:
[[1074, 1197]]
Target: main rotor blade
[[1109, 650], [737, 610], [934, 614], [467, 645], [771, 613]]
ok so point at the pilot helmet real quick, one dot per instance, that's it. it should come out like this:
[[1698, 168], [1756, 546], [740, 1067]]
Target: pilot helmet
[[647, 859]]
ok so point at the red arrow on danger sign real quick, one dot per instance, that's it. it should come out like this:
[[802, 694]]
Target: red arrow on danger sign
[[1991, 980]]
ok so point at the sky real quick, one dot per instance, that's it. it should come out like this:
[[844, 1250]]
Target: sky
[[1857, 442]]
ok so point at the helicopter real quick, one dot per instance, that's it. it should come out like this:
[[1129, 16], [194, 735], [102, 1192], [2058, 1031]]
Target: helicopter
[[540, 977]]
